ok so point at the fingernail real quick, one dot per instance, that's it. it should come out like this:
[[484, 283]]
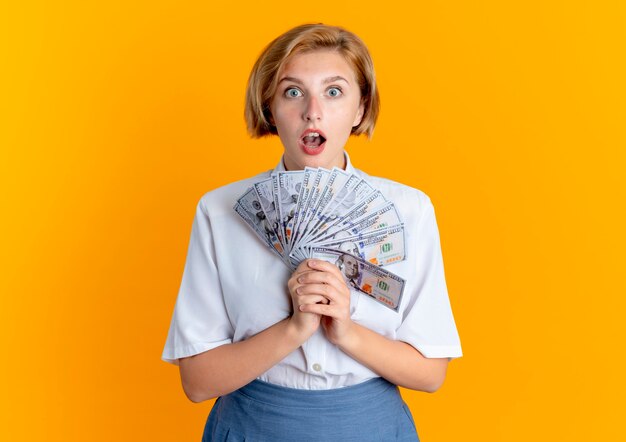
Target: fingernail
[[300, 280], [301, 308], [312, 263]]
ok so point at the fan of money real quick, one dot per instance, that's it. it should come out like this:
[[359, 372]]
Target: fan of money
[[334, 216]]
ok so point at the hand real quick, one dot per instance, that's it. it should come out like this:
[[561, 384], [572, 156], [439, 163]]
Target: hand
[[327, 281], [304, 323]]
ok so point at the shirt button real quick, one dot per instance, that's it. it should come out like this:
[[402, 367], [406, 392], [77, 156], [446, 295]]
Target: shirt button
[[317, 367]]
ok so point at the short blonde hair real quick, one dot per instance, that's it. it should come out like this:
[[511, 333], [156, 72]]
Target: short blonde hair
[[263, 80]]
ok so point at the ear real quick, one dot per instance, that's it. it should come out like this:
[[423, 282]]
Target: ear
[[359, 114]]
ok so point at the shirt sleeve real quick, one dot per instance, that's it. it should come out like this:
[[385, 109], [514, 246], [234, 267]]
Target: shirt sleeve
[[200, 321], [428, 324]]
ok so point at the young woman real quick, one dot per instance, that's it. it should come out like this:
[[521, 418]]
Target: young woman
[[297, 356]]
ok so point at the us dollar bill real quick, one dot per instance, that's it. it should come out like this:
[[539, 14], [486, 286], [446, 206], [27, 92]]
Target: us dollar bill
[[336, 187], [319, 183], [303, 198], [250, 205], [354, 191], [265, 192], [383, 216], [253, 225], [380, 247], [345, 201], [374, 281], [299, 214], [356, 212], [287, 188]]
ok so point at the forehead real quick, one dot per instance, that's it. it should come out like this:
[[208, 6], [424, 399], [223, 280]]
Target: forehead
[[318, 64]]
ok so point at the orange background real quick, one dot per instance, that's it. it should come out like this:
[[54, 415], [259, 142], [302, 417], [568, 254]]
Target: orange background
[[116, 117]]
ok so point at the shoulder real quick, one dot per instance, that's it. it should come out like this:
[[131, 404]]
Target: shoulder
[[221, 200], [409, 200]]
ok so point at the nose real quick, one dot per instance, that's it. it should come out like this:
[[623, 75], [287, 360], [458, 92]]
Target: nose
[[312, 110]]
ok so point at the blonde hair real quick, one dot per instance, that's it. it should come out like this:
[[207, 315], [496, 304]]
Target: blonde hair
[[263, 80]]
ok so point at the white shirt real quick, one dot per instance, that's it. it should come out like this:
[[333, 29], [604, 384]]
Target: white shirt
[[234, 287]]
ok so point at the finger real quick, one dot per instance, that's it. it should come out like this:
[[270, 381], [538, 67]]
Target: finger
[[330, 310], [302, 268], [312, 299], [319, 264], [324, 290], [293, 282], [323, 277]]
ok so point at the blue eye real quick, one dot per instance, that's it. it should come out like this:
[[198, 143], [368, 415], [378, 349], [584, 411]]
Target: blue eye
[[292, 92], [334, 92]]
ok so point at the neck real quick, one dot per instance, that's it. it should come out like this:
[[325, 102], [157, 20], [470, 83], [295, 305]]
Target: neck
[[341, 162]]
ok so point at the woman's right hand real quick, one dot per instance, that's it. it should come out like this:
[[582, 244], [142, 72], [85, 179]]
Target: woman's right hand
[[305, 324]]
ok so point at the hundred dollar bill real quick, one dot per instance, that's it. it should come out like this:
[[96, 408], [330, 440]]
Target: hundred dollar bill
[[310, 185], [252, 223], [380, 284], [265, 192], [336, 184], [303, 198], [332, 184], [293, 211], [343, 203], [349, 240], [319, 183], [356, 212], [383, 216], [380, 247], [355, 190], [287, 188], [250, 204]]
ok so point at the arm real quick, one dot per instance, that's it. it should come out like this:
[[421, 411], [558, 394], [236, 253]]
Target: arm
[[226, 368], [396, 361]]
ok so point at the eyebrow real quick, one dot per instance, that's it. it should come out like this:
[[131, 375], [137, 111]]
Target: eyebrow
[[326, 80]]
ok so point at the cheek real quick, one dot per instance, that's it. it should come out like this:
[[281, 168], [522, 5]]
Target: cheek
[[285, 117], [347, 117]]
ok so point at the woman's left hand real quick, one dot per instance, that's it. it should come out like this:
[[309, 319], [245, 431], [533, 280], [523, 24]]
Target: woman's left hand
[[328, 281]]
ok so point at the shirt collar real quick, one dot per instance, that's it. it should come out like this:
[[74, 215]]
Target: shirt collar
[[280, 167]]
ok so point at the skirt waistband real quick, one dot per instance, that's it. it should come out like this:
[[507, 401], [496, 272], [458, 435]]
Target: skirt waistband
[[294, 397]]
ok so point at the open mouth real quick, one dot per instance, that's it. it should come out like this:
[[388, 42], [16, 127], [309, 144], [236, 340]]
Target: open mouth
[[312, 142]]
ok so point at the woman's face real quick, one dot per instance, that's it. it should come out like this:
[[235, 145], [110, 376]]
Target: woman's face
[[316, 104]]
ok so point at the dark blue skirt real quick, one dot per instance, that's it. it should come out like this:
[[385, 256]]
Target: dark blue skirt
[[263, 412]]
